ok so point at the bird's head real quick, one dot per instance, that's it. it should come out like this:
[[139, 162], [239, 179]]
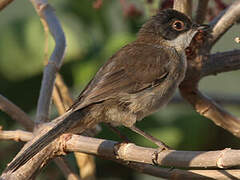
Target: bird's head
[[171, 28]]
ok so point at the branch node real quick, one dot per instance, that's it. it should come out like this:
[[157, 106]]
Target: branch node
[[61, 144], [219, 162], [121, 149]]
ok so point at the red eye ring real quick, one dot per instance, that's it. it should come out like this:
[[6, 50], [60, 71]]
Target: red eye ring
[[178, 25]]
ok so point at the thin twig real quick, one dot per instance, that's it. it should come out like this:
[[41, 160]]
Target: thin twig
[[224, 21], [15, 113], [201, 11], [17, 135], [4, 3], [68, 173]]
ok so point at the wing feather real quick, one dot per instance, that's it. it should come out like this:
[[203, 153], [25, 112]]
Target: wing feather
[[134, 68]]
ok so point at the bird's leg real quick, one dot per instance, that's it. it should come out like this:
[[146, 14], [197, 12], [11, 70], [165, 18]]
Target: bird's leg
[[119, 133], [160, 144]]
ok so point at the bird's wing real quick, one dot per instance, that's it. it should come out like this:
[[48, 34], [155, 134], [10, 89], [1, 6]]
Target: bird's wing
[[134, 68]]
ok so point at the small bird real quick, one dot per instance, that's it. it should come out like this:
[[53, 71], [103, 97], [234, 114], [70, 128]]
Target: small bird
[[135, 82]]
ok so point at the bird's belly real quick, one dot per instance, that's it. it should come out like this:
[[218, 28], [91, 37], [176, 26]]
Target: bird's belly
[[154, 98]]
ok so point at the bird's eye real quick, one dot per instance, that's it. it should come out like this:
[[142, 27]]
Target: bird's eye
[[178, 25]]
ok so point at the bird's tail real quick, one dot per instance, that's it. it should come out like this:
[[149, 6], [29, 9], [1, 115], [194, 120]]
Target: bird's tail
[[63, 124]]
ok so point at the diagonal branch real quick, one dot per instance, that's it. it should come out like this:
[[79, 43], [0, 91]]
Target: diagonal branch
[[209, 109], [15, 113], [224, 21], [4, 3], [67, 172]]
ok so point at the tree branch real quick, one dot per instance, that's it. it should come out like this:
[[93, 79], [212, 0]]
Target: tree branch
[[184, 6], [197, 68], [224, 21], [209, 109], [68, 173], [201, 11], [221, 62], [17, 135], [130, 152], [4, 3], [47, 14], [178, 174], [15, 113], [63, 101]]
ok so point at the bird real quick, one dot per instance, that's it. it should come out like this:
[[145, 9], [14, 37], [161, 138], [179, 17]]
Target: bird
[[135, 82]]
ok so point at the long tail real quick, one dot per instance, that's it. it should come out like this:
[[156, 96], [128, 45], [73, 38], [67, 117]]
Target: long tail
[[64, 123]]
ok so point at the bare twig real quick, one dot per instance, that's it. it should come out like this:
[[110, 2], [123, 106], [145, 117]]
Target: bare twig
[[201, 11], [208, 108], [16, 113], [184, 6], [61, 96], [4, 3], [68, 173], [224, 21], [17, 135], [47, 14]]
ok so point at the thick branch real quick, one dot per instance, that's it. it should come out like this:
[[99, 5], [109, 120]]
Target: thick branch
[[224, 21], [221, 62], [130, 152], [46, 12], [15, 113]]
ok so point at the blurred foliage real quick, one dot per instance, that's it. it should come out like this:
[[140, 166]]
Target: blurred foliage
[[93, 35]]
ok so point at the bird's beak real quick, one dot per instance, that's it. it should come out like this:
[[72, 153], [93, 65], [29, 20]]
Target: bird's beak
[[203, 27]]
